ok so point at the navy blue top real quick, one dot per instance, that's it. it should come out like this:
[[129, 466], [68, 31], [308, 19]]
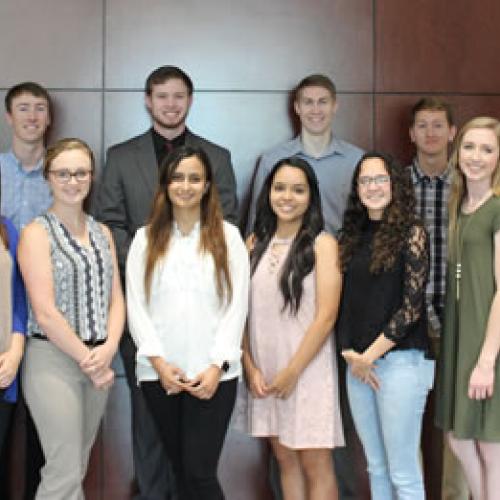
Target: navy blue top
[[19, 308]]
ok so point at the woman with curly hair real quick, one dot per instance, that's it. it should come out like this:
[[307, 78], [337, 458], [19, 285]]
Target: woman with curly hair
[[468, 397], [382, 324], [289, 351]]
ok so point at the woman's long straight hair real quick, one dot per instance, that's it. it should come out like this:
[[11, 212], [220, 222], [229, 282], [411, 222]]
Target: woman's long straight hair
[[301, 258], [161, 219]]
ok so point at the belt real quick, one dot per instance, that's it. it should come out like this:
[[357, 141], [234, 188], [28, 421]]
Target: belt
[[89, 343]]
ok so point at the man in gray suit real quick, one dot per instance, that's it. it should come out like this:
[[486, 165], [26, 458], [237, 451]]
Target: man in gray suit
[[124, 200]]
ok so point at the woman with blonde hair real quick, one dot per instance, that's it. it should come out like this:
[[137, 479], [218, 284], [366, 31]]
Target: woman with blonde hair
[[187, 298], [76, 318], [468, 399]]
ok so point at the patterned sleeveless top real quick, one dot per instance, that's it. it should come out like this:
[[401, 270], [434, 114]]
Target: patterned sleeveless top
[[82, 279]]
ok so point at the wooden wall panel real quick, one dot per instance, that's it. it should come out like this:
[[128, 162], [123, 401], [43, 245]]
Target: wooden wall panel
[[55, 42], [437, 46], [393, 118], [251, 44]]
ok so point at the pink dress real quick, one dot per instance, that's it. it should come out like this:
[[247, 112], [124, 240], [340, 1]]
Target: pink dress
[[310, 417]]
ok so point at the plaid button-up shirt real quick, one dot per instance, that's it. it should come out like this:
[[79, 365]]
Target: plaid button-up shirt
[[432, 206]]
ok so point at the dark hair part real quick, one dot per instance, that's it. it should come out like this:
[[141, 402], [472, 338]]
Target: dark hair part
[[159, 229], [70, 144], [32, 88], [301, 258], [316, 80], [163, 73], [397, 219], [432, 104]]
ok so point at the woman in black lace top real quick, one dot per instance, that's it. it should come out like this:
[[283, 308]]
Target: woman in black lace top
[[382, 324]]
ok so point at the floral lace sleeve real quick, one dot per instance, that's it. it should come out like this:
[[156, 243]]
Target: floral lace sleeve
[[416, 262]]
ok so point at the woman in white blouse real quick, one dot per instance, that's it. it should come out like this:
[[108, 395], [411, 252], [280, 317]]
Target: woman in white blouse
[[187, 297]]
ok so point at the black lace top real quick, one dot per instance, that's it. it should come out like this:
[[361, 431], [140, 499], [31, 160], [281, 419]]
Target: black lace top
[[390, 302]]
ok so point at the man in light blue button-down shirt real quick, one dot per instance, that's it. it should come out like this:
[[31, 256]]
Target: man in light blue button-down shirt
[[25, 195], [332, 159]]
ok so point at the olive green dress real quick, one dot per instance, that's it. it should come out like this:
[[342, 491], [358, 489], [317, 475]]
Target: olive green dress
[[464, 328]]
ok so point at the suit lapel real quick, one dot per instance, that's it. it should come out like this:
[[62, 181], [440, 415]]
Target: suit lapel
[[146, 161]]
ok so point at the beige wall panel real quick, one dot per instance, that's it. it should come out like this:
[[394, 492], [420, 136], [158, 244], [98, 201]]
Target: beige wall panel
[[250, 44], [55, 42]]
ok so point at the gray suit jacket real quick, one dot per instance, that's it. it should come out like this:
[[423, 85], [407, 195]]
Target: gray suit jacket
[[130, 179]]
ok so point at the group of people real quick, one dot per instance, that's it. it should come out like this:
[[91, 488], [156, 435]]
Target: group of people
[[356, 274]]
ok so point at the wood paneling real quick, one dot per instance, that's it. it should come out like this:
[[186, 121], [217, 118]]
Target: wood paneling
[[250, 44], [393, 118], [437, 46], [55, 42]]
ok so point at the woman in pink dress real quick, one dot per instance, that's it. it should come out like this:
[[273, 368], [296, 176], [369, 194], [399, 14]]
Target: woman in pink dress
[[288, 351]]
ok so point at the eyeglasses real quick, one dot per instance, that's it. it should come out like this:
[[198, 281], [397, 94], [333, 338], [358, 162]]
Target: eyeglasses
[[64, 176], [377, 180]]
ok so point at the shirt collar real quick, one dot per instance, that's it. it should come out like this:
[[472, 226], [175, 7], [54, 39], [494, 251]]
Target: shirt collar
[[17, 162], [419, 175], [335, 147]]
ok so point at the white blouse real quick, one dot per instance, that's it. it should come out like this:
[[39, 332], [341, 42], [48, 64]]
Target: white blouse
[[184, 321]]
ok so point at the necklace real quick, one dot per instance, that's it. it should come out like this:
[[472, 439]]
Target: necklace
[[459, 240], [278, 247]]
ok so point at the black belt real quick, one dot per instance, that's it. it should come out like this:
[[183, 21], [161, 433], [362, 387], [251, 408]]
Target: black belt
[[89, 343]]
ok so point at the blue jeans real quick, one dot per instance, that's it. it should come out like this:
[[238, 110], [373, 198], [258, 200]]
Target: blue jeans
[[389, 422]]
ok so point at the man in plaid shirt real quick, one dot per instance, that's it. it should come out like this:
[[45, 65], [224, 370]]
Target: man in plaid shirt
[[432, 129]]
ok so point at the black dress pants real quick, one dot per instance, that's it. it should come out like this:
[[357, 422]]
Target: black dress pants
[[193, 432]]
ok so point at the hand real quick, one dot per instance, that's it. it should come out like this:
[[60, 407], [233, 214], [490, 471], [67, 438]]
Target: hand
[[103, 379], [481, 382], [204, 385], [98, 358], [9, 364], [257, 384], [284, 382], [171, 378], [361, 368]]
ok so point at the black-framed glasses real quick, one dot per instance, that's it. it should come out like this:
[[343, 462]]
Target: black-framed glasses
[[377, 180], [63, 176]]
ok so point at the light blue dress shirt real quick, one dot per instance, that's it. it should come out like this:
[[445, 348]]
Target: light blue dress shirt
[[25, 193], [334, 169]]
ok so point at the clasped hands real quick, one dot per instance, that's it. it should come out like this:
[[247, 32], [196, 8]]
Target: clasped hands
[[361, 368], [203, 386], [97, 366], [281, 386]]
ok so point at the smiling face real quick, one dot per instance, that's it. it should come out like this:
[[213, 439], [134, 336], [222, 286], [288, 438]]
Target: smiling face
[[188, 184], [315, 107], [70, 176], [374, 187], [478, 155], [169, 105], [29, 118], [290, 194], [431, 133]]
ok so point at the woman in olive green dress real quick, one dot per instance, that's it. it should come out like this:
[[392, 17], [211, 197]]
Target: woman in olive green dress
[[468, 387]]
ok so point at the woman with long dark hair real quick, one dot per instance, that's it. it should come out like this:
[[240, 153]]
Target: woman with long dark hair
[[76, 318], [187, 297], [289, 353], [468, 396], [382, 324], [13, 315]]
